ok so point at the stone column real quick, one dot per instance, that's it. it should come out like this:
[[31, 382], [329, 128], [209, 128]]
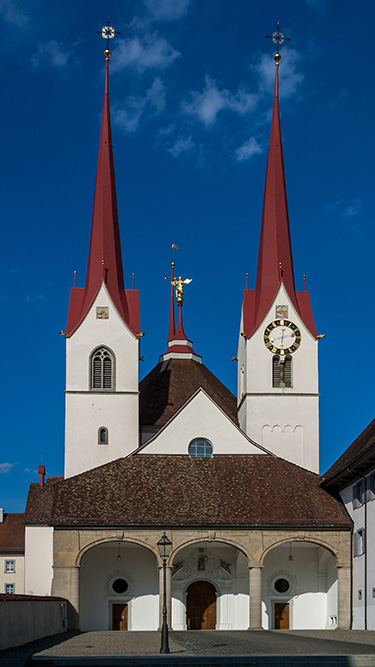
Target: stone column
[[65, 584], [168, 574], [255, 589], [344, 597]]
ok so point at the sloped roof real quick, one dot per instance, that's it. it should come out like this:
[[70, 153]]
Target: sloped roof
[[249, 491], [12, 533], [171, 383], [356, 458]]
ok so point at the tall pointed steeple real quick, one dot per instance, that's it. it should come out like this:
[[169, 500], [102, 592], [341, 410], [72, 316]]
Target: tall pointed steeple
[[179, 346], [104, 261], [275, 261]]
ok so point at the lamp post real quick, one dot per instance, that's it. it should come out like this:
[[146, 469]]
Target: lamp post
[[164, 546]]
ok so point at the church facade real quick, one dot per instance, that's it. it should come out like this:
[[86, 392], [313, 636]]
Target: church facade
[[256, 541]]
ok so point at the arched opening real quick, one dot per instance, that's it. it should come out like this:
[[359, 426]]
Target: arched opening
[[201, 606], [205, 569], [119, 587], [299, 587], [102, 372]]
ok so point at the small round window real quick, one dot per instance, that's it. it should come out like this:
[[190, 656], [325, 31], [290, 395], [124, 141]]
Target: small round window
[[281, 585], [120, 586], [200, 448]]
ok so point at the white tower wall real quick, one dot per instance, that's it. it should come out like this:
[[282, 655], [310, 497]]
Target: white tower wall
[[87, 410], [285, 420]]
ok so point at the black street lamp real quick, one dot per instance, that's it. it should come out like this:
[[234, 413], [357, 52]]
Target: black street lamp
[[164, 546]]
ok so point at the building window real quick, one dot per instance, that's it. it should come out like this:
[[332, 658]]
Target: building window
[[102, 369], [358, 494], [103, 436], [9, 589], [359, 542], [200, 448], [10, 566], [120, 586], [281, 371], [281, 585]]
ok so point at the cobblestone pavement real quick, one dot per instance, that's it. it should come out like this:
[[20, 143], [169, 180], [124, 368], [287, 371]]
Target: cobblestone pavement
[[197, 643]]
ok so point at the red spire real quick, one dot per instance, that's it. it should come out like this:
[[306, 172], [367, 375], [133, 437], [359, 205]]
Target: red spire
[[179, 346], [275, 262], [104, 262], [172, 326]]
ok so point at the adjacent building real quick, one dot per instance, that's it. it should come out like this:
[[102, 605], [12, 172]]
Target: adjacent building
[[12, 553]]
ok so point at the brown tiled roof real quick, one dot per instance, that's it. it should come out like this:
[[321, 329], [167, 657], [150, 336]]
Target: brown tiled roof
[[12, 534], [144, 490], [171, 383], [362, 447]]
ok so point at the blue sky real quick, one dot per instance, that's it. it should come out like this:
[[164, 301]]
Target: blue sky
[[191, 96]]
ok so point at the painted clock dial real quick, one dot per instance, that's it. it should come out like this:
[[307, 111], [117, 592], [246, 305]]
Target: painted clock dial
[[282, 337]]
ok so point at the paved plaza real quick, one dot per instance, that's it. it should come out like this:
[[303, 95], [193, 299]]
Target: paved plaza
[[197, 647]]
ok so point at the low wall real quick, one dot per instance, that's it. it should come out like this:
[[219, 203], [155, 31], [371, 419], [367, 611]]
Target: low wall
[[25, 618]]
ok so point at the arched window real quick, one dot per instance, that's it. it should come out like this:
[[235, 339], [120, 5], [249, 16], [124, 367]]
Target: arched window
[[200, 448], [281, 371], [102, 369], [103, 436]]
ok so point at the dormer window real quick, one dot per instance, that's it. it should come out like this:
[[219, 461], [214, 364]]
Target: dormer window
[[102, 369], [200, 448]]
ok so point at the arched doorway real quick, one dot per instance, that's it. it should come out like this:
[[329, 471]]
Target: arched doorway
[[299, 587], [119, 587], [201, 606]]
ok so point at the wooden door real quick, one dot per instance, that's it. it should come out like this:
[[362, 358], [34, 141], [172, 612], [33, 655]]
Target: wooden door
[[119, 616], [281, 615], [201, 606]]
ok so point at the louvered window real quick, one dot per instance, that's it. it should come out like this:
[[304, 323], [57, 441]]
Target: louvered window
[[276, 371], [281, 371], [102, 371]]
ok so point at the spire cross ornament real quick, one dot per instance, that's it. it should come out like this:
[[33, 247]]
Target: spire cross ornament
[[107, 32], [278, 38]]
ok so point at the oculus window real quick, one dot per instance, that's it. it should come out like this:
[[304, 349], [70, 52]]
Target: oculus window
[[200, 448]]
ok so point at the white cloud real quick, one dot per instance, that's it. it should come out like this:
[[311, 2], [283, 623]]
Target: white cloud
[[181, 145], [6, 467], [141, 53], [353, 209], [13, 13], [206, 105], [52, 53], [248, 149], [167, 10], [290, 78], [128, 115]]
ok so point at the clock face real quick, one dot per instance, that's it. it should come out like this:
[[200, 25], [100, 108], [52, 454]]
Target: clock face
[[282, 337]]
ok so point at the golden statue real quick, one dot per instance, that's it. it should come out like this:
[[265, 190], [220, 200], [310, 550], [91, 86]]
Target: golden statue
[[179, 285]]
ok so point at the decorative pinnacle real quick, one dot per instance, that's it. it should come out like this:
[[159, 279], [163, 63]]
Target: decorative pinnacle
[[278, 38], [107, 32]]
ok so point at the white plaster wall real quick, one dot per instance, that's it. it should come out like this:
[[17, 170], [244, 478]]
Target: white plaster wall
[[92, 333], [200, 418], [85, 414], [297, 406], [17, 578], [313, 584], [38, 560], [87, 410], [357, 514], [138, 567]]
